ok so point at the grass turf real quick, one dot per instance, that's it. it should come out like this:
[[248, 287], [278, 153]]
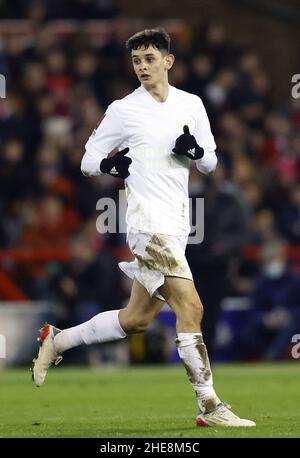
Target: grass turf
[[147, 402]]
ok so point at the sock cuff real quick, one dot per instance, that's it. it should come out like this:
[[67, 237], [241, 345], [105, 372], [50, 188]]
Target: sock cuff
[[185, 339], [118, 326]]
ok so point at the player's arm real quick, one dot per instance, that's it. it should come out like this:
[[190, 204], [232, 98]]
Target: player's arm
[[107, 136], [201, 146], [205, 138]]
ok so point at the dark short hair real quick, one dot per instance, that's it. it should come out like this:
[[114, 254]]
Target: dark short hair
[[158, 38]]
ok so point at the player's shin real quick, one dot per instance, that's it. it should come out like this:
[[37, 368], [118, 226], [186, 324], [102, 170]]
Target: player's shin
[[104, 327], [193, 354]]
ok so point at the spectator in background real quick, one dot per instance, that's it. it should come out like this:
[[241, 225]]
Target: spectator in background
[[58, 80], [289, 217], [263, 227], [48, 222], [213, 42], [201, 73], [234, 138], [13, 170], [276, 307], [217, 92]]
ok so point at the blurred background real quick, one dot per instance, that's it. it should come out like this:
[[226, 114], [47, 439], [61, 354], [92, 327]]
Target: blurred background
[[64, 62]]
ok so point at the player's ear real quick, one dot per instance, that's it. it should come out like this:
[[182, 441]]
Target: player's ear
[[169, 61]]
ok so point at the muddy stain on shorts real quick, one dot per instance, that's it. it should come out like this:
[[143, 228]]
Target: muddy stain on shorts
[[161, 258]]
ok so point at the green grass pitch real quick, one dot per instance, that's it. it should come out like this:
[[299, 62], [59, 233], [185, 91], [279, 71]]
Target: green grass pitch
[[147, 402]]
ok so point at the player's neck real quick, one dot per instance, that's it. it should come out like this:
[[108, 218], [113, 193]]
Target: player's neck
[[159, 91]]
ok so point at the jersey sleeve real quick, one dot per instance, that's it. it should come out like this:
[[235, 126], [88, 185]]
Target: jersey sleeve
[[205, 139], [107, 136]]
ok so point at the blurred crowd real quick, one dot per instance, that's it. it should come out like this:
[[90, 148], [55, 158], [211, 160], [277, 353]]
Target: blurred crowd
[[58, 87], [47, 10]]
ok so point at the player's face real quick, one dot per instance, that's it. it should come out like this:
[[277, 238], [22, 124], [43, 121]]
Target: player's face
[[150, 65]]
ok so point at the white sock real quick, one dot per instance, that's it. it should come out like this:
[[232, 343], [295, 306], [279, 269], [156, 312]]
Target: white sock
[[193, 353], [104, 327]]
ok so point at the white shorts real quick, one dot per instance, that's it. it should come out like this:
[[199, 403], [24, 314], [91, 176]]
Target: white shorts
[[156, 256]]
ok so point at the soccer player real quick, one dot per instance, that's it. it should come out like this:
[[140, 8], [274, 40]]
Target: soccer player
[[159, 131]]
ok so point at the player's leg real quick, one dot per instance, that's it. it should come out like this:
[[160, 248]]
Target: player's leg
[[103, 327], [114, 324], [181, 295]]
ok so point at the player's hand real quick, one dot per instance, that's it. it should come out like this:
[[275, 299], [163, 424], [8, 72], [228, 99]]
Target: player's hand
[[117, 165], [186, 145]]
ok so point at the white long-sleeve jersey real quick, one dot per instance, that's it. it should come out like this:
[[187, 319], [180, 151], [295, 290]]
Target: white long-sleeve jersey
[[157, 187]]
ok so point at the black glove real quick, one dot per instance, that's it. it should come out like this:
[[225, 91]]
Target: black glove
[[186, 145], [117, 166]]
